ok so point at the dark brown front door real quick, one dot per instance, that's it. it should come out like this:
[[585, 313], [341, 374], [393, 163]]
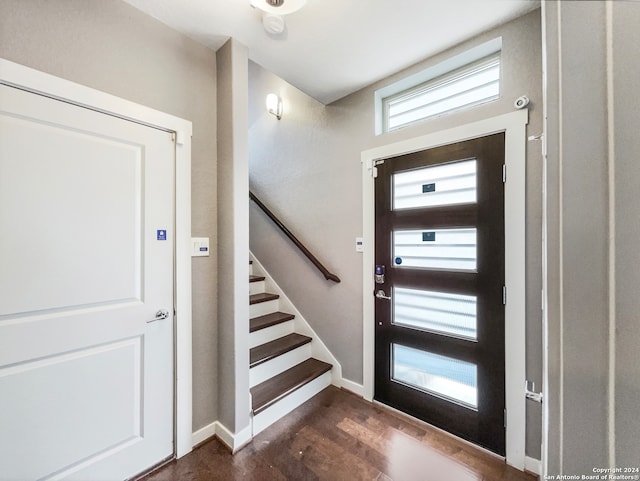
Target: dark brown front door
[[439, 353]]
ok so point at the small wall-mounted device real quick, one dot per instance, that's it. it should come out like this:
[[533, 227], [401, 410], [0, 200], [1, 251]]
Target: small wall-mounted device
[[521, 102], [199, 247], [379, 274]]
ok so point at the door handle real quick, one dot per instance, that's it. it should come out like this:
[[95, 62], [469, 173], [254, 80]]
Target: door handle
[[381, 295], [160, 315]]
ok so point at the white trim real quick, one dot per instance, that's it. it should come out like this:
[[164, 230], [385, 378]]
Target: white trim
[[234, 442], [611, 125], [544, 455], [183, 320], [204, 433], [352, 387], [224, 435], [514, 126], [39, 82], [532, 465]]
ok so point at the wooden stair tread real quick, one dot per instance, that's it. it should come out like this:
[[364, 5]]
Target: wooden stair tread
[[256, 278], [262, 297], [272, 390], [269, 350], [268, 320]]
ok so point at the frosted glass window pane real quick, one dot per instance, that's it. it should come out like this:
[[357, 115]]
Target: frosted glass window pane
[[451, 314], [448, 89], [471, 85], [465, 99], [444, 376], [450, 249], [444, 184]]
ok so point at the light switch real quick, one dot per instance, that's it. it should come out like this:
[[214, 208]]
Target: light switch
[[199, 246], [359, 244]]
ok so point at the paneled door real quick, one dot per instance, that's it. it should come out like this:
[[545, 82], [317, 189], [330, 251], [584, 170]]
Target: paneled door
[[440, 344], [86, 292]]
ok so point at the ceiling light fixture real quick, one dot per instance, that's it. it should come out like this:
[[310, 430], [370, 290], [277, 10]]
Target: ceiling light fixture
[[278, 7], [274, 105], [273, 12]]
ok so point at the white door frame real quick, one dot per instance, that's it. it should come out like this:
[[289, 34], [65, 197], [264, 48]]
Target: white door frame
[[514, 125], [38, 82]]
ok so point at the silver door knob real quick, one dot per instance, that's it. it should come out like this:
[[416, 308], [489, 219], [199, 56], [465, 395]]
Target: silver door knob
[[381, 295], [160, 315]]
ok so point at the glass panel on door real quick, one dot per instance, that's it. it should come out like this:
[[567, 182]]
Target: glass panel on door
[[451, 378], [450, 314], [451, 249], [445, 184]]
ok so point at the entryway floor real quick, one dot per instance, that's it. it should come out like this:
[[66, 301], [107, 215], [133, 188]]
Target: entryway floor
[[337, 436]]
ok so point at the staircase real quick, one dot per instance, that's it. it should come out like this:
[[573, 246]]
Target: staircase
[[283, 374]]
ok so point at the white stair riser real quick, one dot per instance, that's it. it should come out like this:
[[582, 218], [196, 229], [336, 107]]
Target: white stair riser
[[279, 364], [287, 404], [256, 287], [263, 308], [270, 333]]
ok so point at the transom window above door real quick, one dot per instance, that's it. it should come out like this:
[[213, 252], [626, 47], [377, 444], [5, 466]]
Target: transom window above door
[[457, 83]]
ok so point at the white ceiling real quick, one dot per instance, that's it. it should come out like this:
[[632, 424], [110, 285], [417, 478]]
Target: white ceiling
[[332, 48]]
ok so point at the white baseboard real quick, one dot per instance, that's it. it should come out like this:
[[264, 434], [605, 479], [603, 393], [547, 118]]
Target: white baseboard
[[203, 434], [353, 387], [242, 438], [533, 465], [233, 441], [224, 435]]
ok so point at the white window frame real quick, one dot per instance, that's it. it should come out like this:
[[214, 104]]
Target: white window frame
[[514, 126], [435, 73]]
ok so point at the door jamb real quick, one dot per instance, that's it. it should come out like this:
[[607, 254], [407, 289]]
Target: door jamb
[[41, 83], [514, 125]]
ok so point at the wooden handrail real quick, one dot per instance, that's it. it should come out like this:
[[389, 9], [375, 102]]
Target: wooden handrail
[[325, 272]]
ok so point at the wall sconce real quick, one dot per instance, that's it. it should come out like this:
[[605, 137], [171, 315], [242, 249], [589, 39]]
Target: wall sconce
[[274, 105]]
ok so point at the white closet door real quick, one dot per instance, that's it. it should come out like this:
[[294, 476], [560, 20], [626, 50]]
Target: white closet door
[[86, 260]]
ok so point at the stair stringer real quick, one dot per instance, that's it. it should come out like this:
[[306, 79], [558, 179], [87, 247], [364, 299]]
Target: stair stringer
[[318, 348]]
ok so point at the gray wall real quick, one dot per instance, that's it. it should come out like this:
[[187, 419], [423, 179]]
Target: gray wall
[[233, 245], [110, 46], [593, 58], [306, 168]]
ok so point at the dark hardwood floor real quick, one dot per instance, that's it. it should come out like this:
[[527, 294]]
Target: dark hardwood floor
[[338, 436]]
